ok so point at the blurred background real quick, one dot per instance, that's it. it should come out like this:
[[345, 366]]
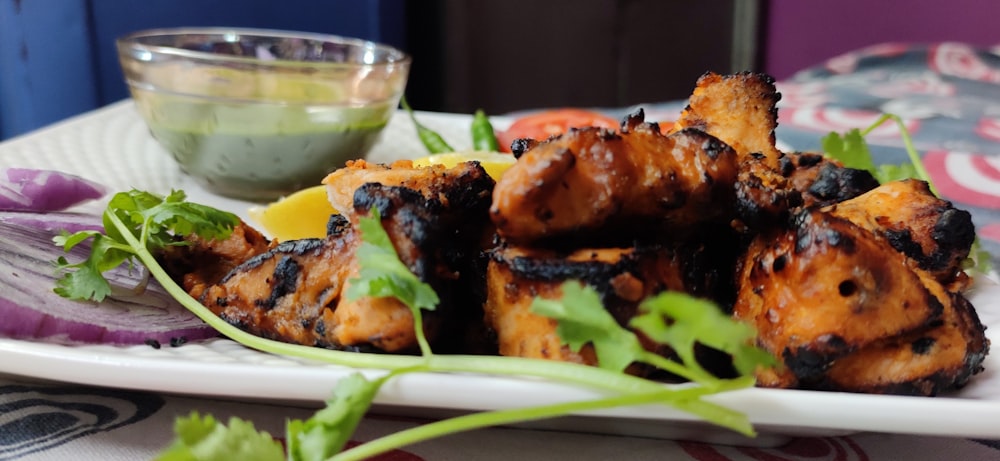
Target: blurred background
[[57, 57]]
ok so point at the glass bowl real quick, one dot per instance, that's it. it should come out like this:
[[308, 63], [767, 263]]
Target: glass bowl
[[257, 114]]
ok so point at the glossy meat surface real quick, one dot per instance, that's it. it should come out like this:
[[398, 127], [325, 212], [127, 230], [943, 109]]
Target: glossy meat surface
[[739, 109], [593, 179], [295, 291], [622, 276], [853, 285], [202, 263], [844, 310], [915, 222], [765, 196]]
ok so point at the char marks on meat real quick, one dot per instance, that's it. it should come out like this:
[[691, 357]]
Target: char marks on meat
[[739, 109], [295, 291], [846, 309], [854, 285], [598, 183], [915, 222]]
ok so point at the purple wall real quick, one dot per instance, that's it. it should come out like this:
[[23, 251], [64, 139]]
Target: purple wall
[[803, 33]]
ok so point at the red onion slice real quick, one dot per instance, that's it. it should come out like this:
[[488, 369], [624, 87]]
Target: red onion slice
[[51, 223], [44, 190], [30, 309]]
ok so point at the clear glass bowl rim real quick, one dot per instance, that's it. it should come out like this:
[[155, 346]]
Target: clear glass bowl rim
[[132, 42]]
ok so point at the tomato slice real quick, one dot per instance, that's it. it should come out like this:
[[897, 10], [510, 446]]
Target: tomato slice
[[541, 125]]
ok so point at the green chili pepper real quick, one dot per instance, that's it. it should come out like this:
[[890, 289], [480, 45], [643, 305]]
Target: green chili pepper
[[483, 137], [434, 143]]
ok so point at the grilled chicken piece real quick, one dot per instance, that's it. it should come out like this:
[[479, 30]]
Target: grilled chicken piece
[[847, 311], [591, 179], [915, 222], [765, 196], [295, 292], [202, 263], [825, 288], [741, 110], [622, 276], [433, 182], [927, 362], [823, 181]]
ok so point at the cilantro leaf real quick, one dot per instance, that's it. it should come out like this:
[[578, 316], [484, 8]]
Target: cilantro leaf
[[154, 220], [682, 321], [382, 273], [674, 319], [850, 149], [328, 431], [887, 173], [584, 320], [203, 438]]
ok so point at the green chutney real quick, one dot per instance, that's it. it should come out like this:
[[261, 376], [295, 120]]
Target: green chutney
[[260, 151]]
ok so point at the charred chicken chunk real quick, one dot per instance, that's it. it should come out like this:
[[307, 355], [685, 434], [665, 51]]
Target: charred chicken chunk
[[622, 276], [825, 288], [823, 181], [432, 182], [915, 222], [295, 292], [596, 180], [740, 109], [847, 311], [201, 263], [927, 362], [765, 196]]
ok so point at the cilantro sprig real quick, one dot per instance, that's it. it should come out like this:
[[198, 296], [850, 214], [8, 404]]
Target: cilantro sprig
[[383, 274], [151, 219], [851, 149], [139, 224], [674, 319]]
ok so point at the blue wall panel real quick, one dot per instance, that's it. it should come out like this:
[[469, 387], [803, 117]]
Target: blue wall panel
[[46, 67], [71, 64]]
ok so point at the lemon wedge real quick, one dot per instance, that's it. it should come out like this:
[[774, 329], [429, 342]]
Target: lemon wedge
[[495, 163], [303, 214]]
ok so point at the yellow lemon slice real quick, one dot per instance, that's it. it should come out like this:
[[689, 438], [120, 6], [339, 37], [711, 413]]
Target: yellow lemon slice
[[495, 163], [303, 214]]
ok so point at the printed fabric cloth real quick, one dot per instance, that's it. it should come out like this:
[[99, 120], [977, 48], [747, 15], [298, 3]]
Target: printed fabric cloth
[[40, 422], [948, 95]]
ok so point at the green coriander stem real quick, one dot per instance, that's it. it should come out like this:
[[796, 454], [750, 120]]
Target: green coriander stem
[[694, 373], [499, 417], [418, 329], [918, 164], [875, 125], [911, 150], [563, 371]]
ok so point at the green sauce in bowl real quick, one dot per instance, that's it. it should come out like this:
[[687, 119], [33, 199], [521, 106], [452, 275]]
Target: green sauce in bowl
[[259, 150], [257, 114]]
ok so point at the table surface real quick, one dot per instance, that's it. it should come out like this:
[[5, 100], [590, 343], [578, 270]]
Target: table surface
[[45, 420]]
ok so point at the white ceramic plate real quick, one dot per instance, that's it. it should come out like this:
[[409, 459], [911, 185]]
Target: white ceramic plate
[[112, 146]]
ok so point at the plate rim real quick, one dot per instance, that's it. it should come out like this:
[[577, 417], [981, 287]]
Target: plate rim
[[92, 365]]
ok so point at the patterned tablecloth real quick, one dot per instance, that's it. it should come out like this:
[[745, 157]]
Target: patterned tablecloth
[[949, 96]]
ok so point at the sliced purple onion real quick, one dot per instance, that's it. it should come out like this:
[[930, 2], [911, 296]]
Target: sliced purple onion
[[30, 309], [44, 190], [54, 222]]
